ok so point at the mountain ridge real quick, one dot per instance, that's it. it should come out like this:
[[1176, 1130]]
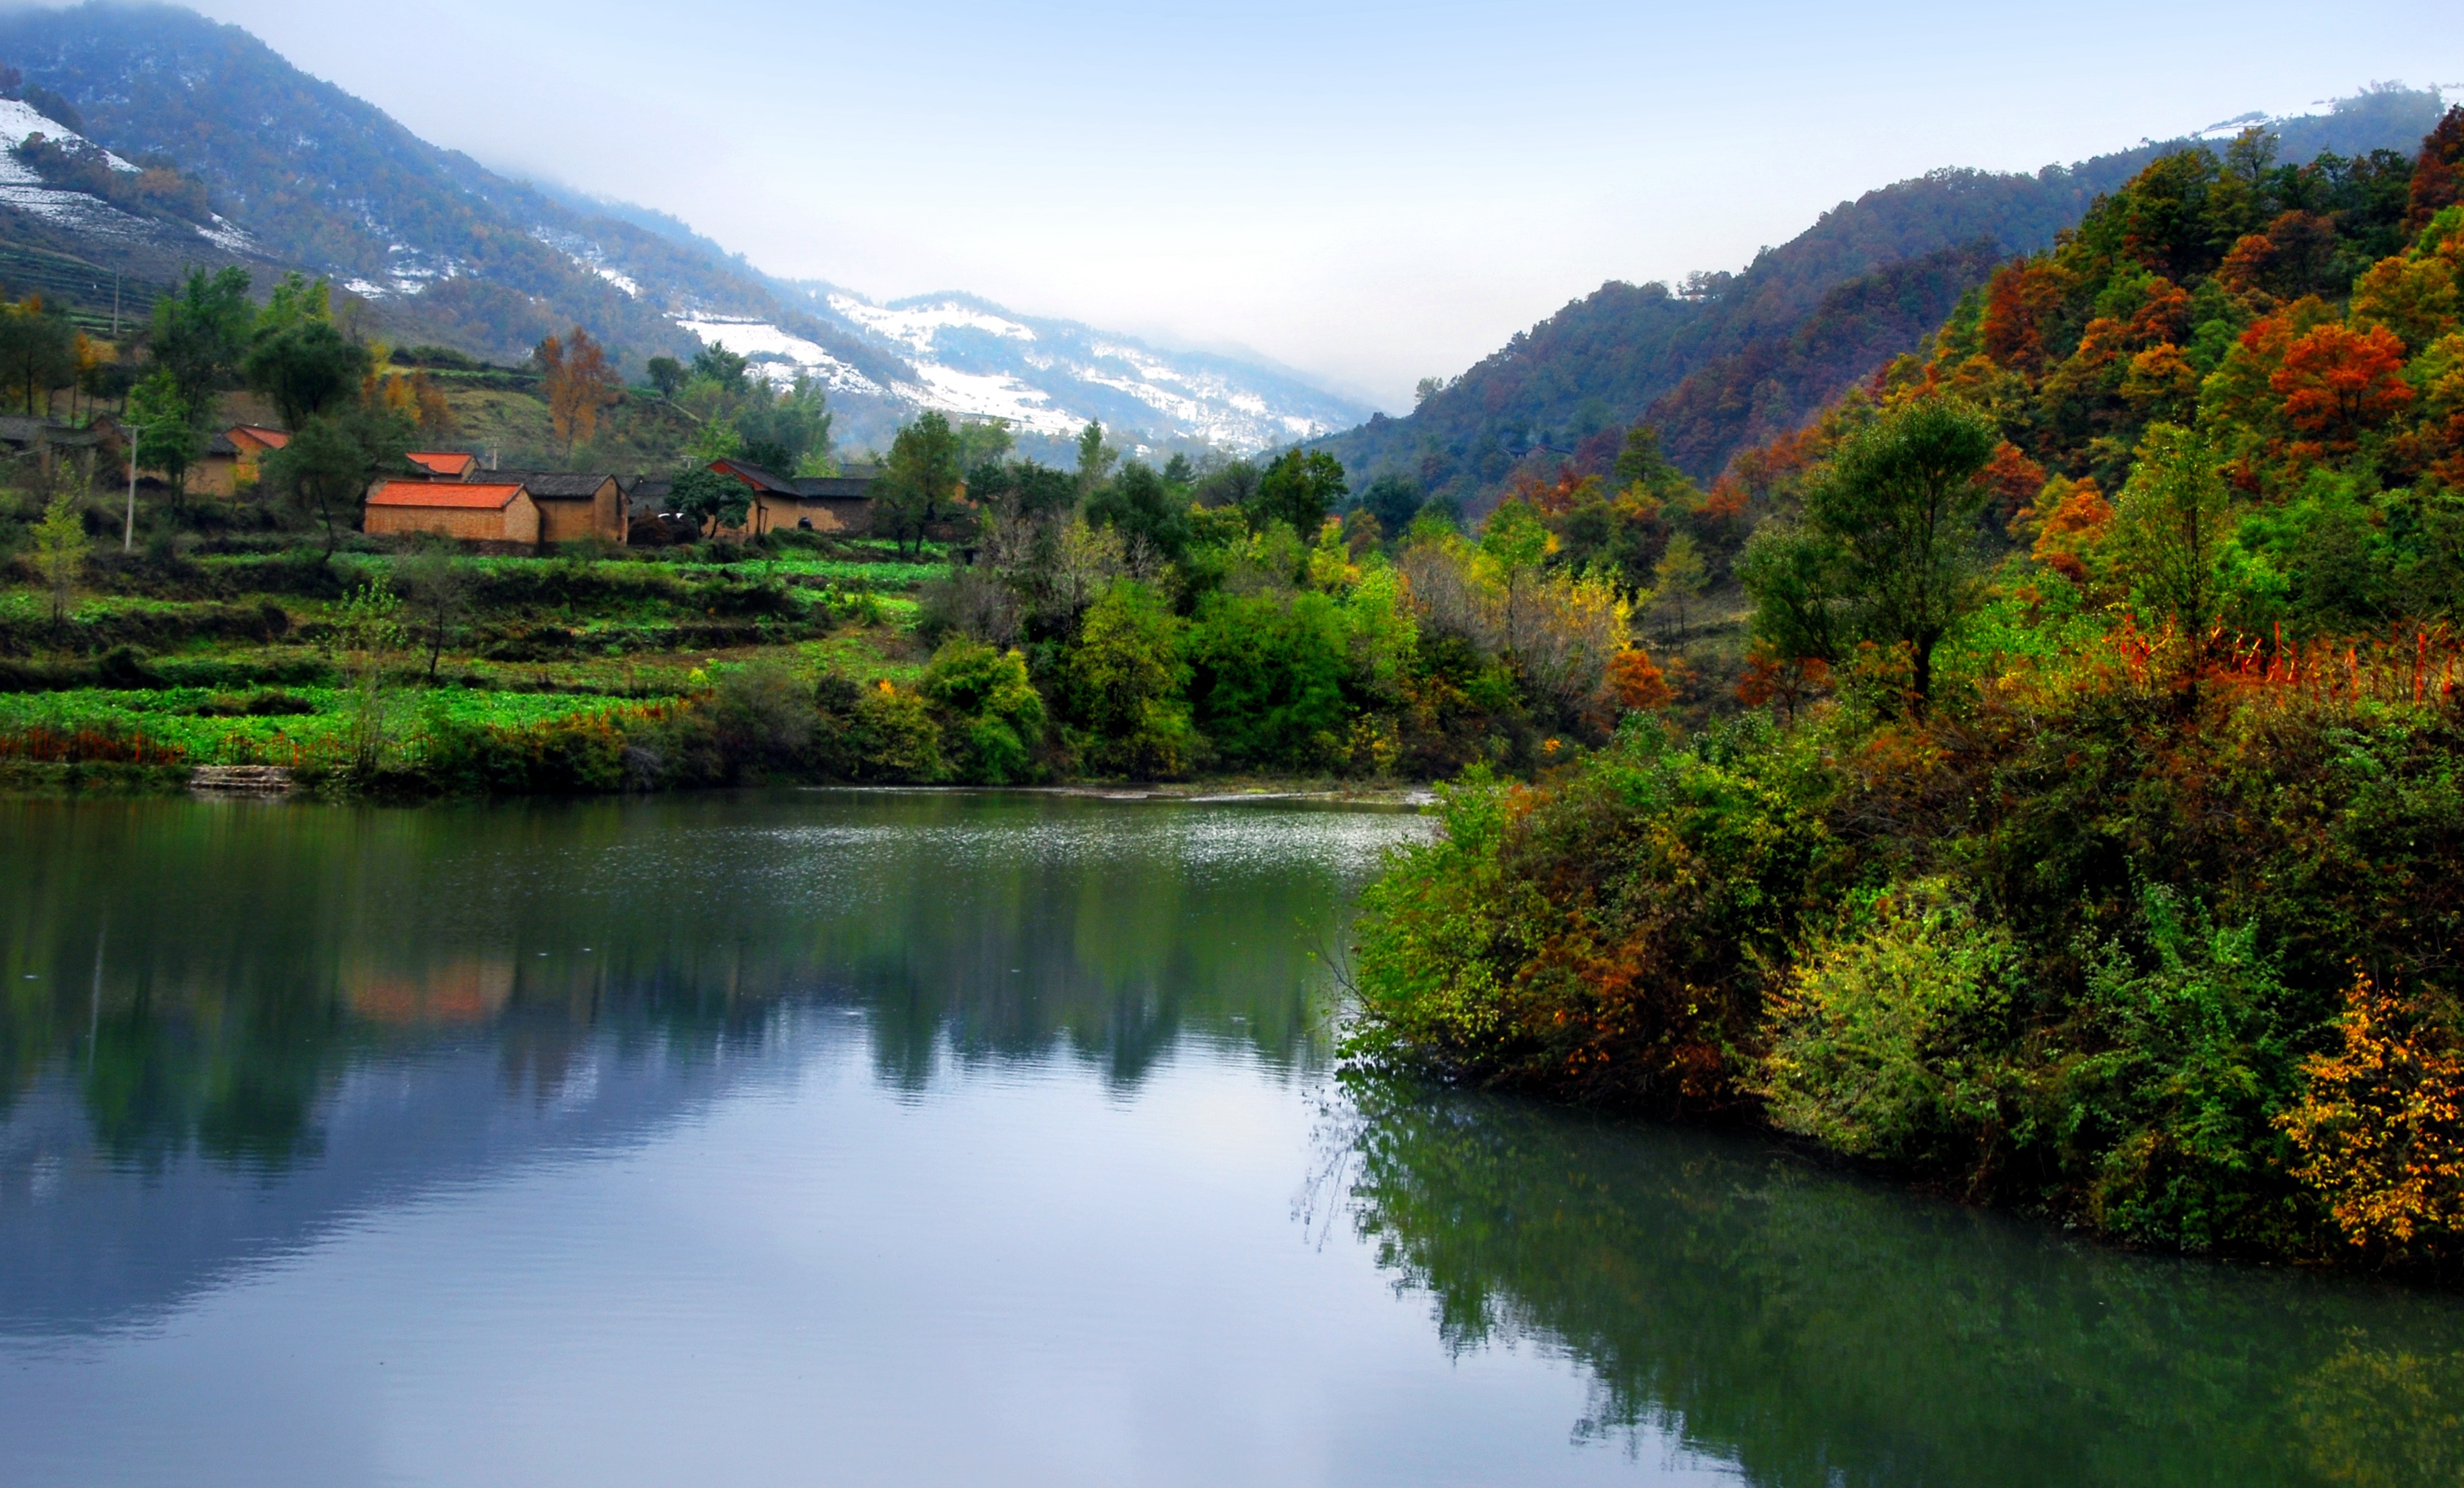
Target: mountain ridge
[[1565, 388]]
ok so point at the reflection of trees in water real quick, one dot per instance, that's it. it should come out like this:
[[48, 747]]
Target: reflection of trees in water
[[254, 954], [1819, 1330]]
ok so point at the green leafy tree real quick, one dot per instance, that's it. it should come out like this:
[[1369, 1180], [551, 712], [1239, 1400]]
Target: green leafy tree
[[666, 373], [1123, 683], [716, 440], [326, 467], [983, 441], [297, 299], [367, 635], [1514, 537], [1887, 551], [1792, 575], [61, 549], [1393, 499], [437, 590], [1678, 580], [306, 368], [1298, 489], [1642, 462], [921, 484], [1139, 505], [717, 365], [203, 332], [2170, 525], [171, 437], [782, 430], [997, 718], [1270, 672], [1095, 459], [711, 499]]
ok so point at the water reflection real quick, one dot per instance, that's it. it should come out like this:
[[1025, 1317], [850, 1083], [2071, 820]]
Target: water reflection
[[210, 996], [242, 956], [1820, 1330]]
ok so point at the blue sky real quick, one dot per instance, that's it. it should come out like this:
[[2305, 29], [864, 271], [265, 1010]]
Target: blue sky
[[1369, 192]]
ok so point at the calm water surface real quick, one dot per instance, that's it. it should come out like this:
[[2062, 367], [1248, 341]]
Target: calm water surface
[[849, 1137]]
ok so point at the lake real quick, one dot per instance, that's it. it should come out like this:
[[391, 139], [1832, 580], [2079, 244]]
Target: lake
[[852, 1138]]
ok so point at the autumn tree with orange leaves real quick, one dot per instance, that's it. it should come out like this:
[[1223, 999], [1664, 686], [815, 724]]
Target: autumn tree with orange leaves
[[2341, 384], [575, 375]]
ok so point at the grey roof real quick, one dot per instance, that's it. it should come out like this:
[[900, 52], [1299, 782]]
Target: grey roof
[[551, 483], [835, 488], [20, 430]]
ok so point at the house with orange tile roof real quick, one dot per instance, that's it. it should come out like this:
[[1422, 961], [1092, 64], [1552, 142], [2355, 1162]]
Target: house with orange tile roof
[[445, 464], [233, 460], [486, 510]]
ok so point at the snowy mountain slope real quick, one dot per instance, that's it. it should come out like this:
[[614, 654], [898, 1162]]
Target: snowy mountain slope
[[969, 357], [86, 216]]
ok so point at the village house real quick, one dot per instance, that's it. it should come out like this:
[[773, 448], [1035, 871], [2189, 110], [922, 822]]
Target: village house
[[571, 503], [500, 513], [234, 461], [840, 503]]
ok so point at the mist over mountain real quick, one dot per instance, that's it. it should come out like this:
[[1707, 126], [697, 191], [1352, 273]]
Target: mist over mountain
[[430, 245], [1725, 359]]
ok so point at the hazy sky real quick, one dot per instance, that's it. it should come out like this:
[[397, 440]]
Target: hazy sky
[[1368, 192]]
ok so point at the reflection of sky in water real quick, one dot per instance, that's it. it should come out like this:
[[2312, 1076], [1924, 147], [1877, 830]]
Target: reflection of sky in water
[[898, 1137]]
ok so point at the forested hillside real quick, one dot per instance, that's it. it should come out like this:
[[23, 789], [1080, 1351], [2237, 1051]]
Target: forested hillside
[[2081, 833], [1727, 359]]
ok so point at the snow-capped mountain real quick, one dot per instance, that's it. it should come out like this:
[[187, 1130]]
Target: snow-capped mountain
[[974, 359], [435, 248]]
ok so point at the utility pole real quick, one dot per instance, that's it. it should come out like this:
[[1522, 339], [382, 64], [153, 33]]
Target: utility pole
[[128, 530]]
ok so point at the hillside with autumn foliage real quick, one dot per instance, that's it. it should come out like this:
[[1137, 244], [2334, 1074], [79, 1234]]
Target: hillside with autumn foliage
[[1724, 361], [2081, 832]]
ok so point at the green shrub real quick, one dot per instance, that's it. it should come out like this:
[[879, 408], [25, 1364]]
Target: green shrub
[[1610, 938], [996, 717], [2168, 1113], [1123, 685], [1893, 1039], [894, 736], [1271, 673]]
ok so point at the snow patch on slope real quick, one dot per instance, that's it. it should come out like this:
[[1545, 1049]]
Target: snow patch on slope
[[989, 395], [19, 118], [916, 327], [780, 354], [588, 256]]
